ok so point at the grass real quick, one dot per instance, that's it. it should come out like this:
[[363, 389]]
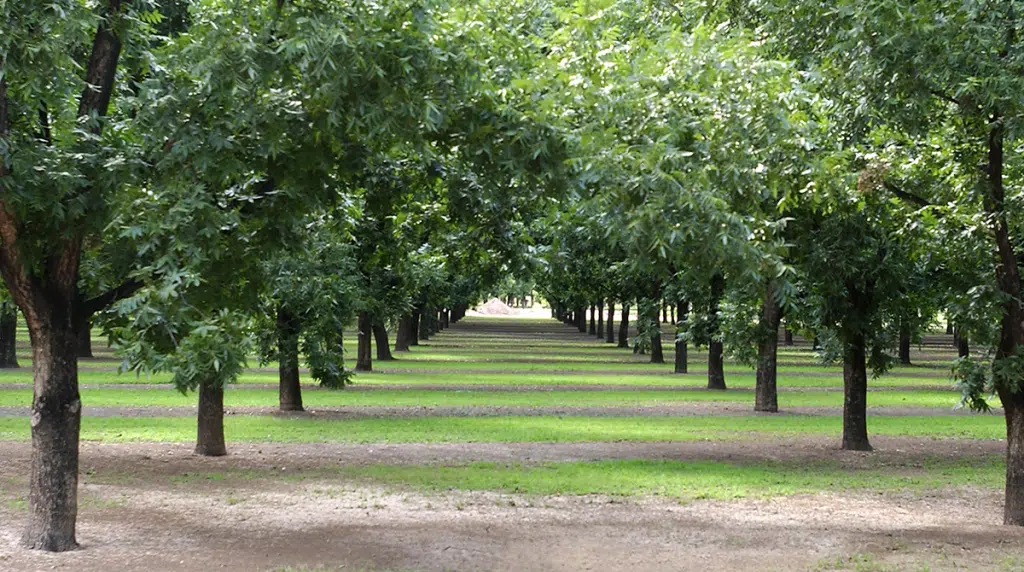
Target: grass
[[240, 396], [512, 429], [684, 480]]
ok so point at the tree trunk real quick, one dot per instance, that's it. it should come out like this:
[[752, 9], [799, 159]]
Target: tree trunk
[[624, 327], [949, 328], [657, 352], [8, 338], [380, 337], [855, 395], [904, 343], [424, 324], [766, 397], [963, 347], [716, 364], [664, 313], [402, 335], [600, 319], [593, 321], [610, 324], [789, 336], [84, 339], [414, 328], [290, 392], [364, 359], [581, 319], [56, 421], [682, 352], [445, 319], [210, 434]]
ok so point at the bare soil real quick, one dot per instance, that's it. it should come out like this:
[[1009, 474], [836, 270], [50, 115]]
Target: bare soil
[[149, 507]]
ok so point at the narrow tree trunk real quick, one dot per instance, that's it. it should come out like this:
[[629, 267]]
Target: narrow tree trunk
[[672, 314], [402, 335], [716, 363], [210, 430], [682, 352], [610, 324], [904, 343], [424, 325], [1013, 412], [83, 344], [414, 328], [789, 336], [290, 392], [56, 420], [855, 395], [600, 319], [380, 337], [445, 319], [364, 359], [624, 327], [664, 313], [581, 319], [963, 347], [766, 397], [657, 352], [8, 338], [593, 321], [949, 328]]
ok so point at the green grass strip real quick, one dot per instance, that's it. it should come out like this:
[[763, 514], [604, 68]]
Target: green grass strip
[[514, 429]]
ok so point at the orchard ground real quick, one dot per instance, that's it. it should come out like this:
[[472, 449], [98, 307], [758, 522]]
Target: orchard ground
[[517, 443]]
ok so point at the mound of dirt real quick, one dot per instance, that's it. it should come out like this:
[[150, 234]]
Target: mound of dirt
[[494, 307]]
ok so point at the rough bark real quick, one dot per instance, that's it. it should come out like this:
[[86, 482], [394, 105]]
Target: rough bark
[[210, 427], [290, 391], [716, 363], [402, 335], [682, 352], [56, 420], [610, 324], [624, 328], [380, 338], [766, 397], [364, 358], [855, 395], [8, 338], [904, 349]]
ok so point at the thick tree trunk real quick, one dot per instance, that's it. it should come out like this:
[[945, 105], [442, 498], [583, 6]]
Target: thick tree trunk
[[766, 397], [581, 319], [445, 319], [789, 336], [657, 352], [716, 363], [600, 319], [290, 391], [210, 430], [610, 324], [84, 338], [8, 338], [855, 395], [424, 324], [593, 320], [380, 338], [904, 350], [56, 420], [949, 328], [624, 327], [682, 352], [402, 335], [364, 358]]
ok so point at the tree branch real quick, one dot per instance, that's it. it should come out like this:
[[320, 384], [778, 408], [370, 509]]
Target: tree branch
[[905, 196], [119, 292]]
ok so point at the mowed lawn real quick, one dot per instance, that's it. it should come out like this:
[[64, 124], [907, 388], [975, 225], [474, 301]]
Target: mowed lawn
[[511, 380]]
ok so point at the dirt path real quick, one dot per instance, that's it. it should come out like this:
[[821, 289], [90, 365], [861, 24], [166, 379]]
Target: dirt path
[[138, 514]]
